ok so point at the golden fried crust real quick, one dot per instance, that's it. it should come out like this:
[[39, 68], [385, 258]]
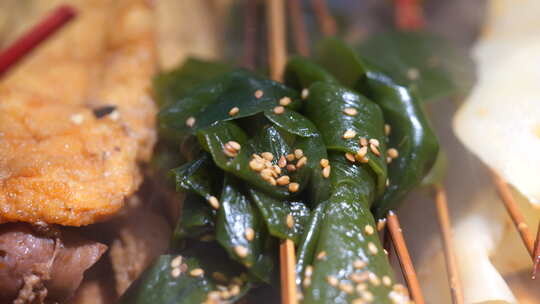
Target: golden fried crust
[[61, 165]]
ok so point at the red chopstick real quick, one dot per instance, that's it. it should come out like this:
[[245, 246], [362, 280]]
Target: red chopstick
[[39, 33]]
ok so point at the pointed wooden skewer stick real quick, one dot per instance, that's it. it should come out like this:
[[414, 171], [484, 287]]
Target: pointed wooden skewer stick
[[300, 38], [326, 22], [277, 44], [404, 258], [36, 35], [513, 210], [536, 254], [250, 34], [456, 287]]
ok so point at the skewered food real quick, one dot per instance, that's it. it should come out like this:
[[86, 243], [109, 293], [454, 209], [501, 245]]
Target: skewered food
[[308, 160]]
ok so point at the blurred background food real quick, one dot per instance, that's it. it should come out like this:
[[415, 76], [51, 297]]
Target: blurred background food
[[493, 263]]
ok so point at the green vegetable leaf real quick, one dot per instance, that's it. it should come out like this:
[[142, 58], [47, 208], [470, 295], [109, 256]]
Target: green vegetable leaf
[[301, 73], [275, 212], [199, 176], [431, 66], [157, 284], [326, 107], [175, 84], [240, 230], [196, 220]]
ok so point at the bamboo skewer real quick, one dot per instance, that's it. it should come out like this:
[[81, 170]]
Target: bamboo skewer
[[404, 258], [35, 36], [513, 210], [536, 254], [300, 39], [277, 44], [456, 287], [324, 18], [250, 34]]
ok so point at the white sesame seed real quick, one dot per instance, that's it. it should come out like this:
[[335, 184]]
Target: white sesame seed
[[213, 202], [367, 296], [361, 287], [381, 224], [235, 145], [349, 157], [321, 255], [372, 248], [219, 276], [358, 301], [359, 264], [307, 282], [385, 251], [324, 162], [285, 101], [290, 157], [369, 229], [234, 111], [290, 221], [359, 277], [326, 172], [413, 73], [387, 182], [387, 129], [279, 110], [229, 151], [332, 281], [392, 152], [283, 180], [305, 93], [276, 169], [272, 181], [250, 234], [197, 272], [293, 187], [77, 118], [374, 279], [301, 162], [298, 153], [241, 251], [235, 290], [375, 150], [175, 273], [388, 160], [386, 280], [346, 288], [259, 94], [350, 111], [175, 263], [349, 134], [256, 165], [268, 156], [224, 294], [213, 295], [266, 173], [374, 142], [282, 162], [363, 141], [190, 121], [309, 271], [291, 168], [361, 152]]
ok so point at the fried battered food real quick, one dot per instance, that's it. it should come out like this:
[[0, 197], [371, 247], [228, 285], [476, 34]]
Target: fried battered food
[[77, 116]]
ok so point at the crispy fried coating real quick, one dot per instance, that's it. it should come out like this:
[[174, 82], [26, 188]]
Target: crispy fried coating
[[60, 163]]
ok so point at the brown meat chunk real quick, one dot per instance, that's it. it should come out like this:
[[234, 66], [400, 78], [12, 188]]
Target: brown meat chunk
[[142, 236], [33, 265]]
